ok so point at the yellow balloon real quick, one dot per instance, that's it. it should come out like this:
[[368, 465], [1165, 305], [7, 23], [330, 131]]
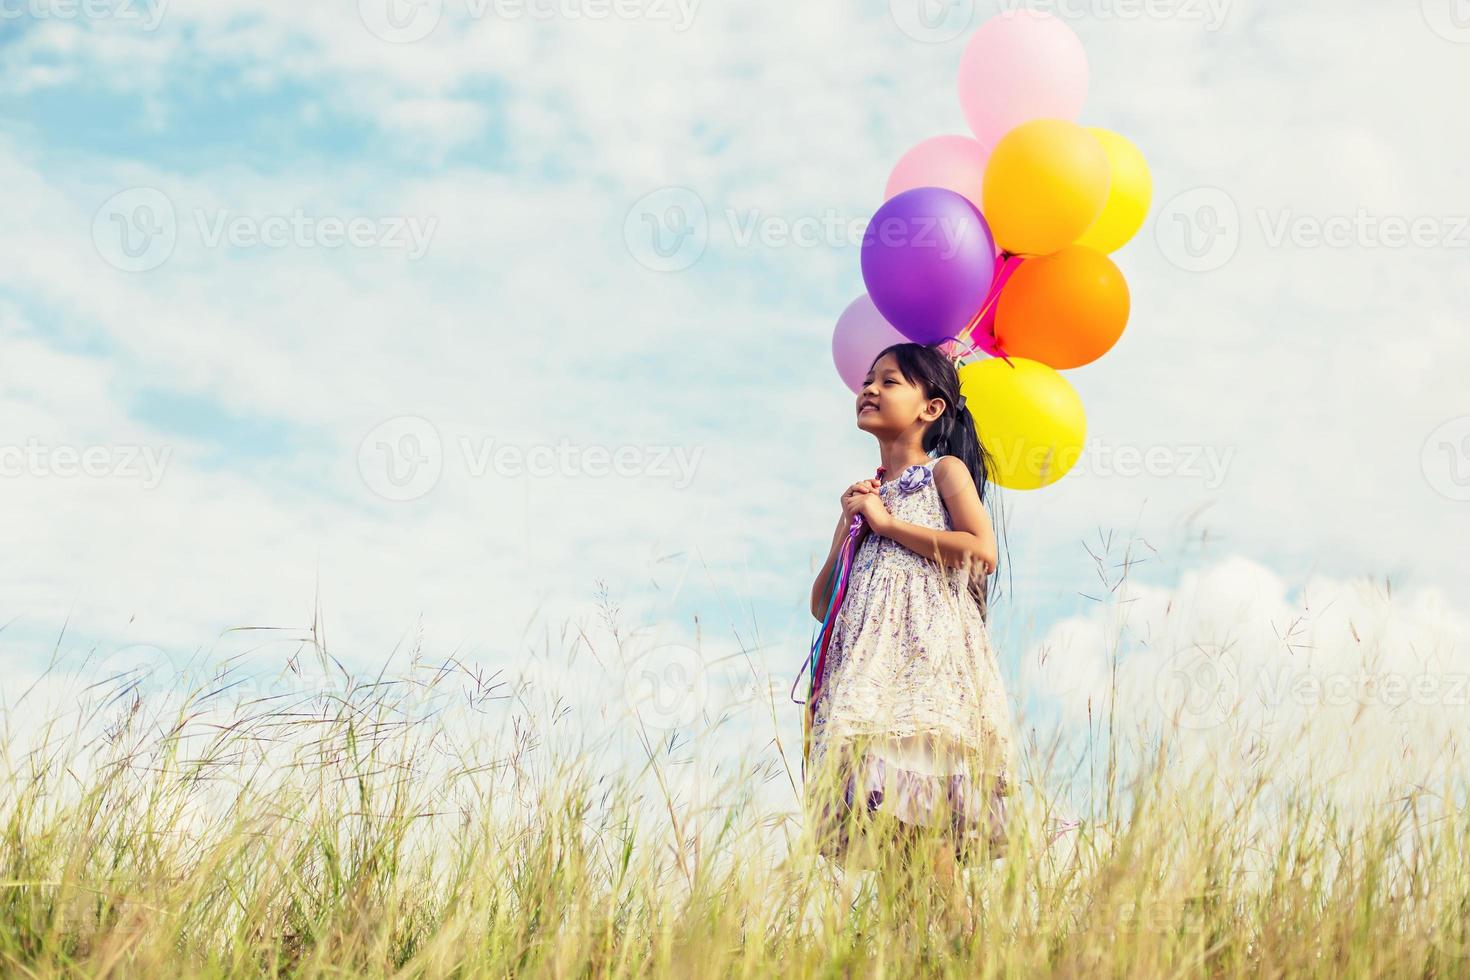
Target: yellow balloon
[[1030, 420], [1129, 193], [1045, 184]]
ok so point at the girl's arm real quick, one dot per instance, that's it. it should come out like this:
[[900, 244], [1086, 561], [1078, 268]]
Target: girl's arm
[[971, 542]]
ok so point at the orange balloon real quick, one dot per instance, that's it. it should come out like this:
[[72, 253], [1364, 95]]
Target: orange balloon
[[1064, 310]]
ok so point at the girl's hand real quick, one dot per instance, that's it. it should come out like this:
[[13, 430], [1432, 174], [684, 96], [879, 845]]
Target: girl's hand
[[862, 498], [853, 496], [870, 506]]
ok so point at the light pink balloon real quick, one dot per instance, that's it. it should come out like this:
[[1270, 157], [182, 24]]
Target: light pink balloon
[[956, 163], [1021, 65], [861, 333]]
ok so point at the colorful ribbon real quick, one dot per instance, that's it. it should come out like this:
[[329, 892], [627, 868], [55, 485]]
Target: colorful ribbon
[[1005, 265], [816, 660]]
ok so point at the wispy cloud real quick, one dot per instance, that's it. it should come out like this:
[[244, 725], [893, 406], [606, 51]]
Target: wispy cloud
[[1287, 389]]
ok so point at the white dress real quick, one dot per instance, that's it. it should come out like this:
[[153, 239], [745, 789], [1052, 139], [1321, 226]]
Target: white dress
[[910, 674]]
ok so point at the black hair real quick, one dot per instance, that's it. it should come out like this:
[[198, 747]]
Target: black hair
[[952, 434]]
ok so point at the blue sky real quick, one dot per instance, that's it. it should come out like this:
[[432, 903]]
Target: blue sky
[[429, 238]]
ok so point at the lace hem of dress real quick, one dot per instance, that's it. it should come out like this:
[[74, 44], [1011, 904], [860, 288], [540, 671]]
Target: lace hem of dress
[[989, 752], [976, 819]]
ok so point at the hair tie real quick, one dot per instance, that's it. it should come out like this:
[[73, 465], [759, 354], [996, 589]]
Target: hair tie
[[959, 405]]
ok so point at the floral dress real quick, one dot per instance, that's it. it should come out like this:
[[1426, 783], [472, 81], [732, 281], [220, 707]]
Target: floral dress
[[911, 690]]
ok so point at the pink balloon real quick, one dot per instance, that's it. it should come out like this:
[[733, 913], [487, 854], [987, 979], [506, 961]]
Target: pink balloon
[[861, 333], [1021, 65], [956, 163]]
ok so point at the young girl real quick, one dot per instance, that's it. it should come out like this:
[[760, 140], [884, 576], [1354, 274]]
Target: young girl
[[910, 718]]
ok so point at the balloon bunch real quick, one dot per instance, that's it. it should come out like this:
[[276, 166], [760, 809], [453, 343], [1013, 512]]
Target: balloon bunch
[[996, 247]]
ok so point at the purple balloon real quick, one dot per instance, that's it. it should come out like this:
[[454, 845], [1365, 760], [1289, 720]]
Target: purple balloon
[[928, 259], [861, 333]]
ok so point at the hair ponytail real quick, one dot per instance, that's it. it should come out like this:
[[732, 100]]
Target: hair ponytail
[[958, 436]]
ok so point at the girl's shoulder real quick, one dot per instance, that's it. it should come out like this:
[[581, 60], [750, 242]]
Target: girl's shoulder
[[951, 474], [942, 465]]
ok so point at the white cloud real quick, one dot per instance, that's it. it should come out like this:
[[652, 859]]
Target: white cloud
[[1344, 680], [1320, 370]]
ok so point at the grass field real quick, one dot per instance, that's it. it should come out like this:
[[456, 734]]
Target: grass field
[[441, 823]]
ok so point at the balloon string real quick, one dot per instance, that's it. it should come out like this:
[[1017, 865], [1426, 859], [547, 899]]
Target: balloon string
[[992, 296], [969, 347]]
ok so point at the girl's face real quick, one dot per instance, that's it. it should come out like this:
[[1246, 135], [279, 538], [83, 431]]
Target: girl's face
[[890, 403]]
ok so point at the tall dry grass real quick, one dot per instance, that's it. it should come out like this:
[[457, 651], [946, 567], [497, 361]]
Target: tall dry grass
[[440, 822]]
